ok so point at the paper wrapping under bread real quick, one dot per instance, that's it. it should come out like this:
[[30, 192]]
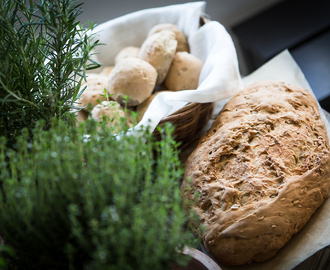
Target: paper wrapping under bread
[[314, 236], [219, 78]]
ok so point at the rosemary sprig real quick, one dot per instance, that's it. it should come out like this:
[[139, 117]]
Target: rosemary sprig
[[44, 53]]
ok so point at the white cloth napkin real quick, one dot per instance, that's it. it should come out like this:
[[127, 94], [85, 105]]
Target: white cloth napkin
[[219, 78]]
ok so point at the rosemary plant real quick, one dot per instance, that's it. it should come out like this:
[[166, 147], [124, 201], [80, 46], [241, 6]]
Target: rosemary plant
[[43, 56], [101, 203]]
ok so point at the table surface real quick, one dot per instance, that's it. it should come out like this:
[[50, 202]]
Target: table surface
[[319, 261]]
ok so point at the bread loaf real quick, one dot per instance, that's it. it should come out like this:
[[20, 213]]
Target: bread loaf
[[259, 173]]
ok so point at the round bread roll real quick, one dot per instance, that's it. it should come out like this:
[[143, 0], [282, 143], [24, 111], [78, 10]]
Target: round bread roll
[[113, 111], [180, 37], [127, 52], [159, 50], [141, 109], [184, 72], [106, 70], [96, 83], [134, 78]]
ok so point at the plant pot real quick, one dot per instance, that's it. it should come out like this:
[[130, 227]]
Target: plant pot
[[199, 261]]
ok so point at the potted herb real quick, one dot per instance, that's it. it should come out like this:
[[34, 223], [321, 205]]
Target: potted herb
[[68, 201], [103, 203], [43, 57]]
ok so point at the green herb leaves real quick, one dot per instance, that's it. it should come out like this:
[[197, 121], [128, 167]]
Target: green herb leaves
[[107, 203], [43, 58]]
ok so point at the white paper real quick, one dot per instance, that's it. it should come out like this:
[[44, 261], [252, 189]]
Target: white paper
[[314, 236], [219, 78]]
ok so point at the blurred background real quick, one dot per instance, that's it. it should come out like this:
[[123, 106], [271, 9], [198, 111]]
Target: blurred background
[[260, 30]]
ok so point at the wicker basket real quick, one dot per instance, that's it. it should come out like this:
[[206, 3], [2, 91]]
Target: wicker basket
[[189, 120]]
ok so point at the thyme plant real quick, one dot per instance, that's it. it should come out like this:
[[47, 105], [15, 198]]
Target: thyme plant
[[102, 203], [43, 58]]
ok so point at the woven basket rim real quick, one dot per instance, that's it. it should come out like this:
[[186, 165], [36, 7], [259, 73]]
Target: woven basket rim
[[181, 111]]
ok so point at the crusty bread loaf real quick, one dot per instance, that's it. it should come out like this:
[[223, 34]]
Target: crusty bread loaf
[[259, 173]]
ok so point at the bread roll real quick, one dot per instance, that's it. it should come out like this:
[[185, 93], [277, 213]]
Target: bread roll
[[95, 85], [159, 50], [184, 72], [134, 78], [261, 171], [113, 111], [106, 70], [183, 45], [127, 52]]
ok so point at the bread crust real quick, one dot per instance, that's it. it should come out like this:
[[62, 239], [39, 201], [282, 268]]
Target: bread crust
[[159, 50], [94, 92], [261, 171], [184, 72], [134, 78], [183, 45], [127, 52]]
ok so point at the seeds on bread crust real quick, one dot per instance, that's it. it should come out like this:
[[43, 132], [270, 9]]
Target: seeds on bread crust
[[268, 153]]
